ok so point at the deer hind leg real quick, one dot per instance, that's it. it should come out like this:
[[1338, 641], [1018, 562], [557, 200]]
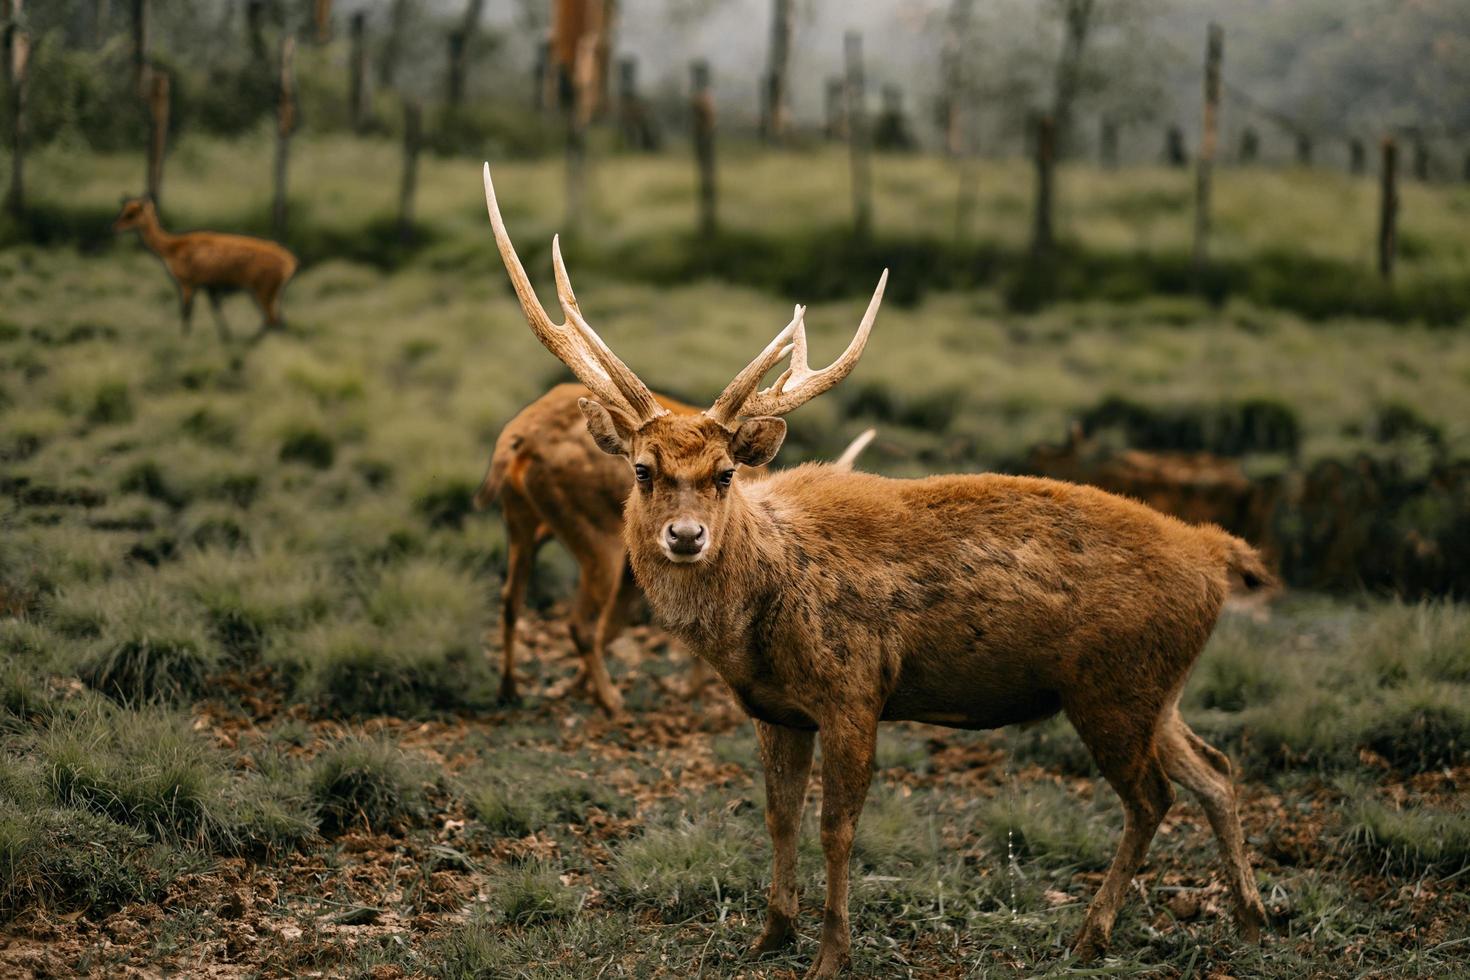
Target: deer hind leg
[[597, 585], [186, 307], [847, 768], [1126, 751], [1205, 771], [220, 323], [521, 544], [786, 758]]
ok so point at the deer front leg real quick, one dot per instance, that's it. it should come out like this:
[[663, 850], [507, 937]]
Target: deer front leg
[[786, 757], [847, 761], [186, 306]]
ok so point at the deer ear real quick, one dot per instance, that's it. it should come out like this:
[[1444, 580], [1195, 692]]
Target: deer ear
[[612, 429], [756, 441]]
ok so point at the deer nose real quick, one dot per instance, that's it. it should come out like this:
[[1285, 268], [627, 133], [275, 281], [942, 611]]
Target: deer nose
[[685, 537]]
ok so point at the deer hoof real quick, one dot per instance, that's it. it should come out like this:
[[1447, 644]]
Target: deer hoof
[[1089, 945], [829, 963], [778, 934]]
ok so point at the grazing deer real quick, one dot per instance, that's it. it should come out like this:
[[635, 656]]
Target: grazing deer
[[215, 262], [553, 481], [832, 601]]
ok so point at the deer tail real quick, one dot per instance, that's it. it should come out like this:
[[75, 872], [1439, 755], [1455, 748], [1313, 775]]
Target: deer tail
[[500, 461], [1246, 561], [853, 451]]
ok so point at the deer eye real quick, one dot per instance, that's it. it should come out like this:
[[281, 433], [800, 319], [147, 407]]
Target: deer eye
[[642, 473], [723, 478]]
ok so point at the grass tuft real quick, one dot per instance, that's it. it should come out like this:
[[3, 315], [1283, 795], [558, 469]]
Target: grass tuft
[[366, 782]]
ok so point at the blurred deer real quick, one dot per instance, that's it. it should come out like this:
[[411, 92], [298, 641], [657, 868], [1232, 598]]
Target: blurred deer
[[215, 262], [830, 601], [553, 482]]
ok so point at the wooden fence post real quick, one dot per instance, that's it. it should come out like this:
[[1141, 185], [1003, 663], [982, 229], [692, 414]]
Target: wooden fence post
[[412, 137], [17, 58], [1250, 145], [1421, 158], [1108, 145], [1303, 150], [835, 109], [1046, 155], [857, 136], [542, 77], [158, 97], [1174, 153], [357, 107], [774, 93], [1388, 213], [702, 108], [285, 126], [1204, 165]]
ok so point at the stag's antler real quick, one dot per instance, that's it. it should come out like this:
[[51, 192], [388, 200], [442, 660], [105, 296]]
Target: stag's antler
[[799, 384], [575, 343]]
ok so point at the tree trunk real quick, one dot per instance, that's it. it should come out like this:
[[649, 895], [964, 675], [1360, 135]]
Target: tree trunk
[[1046, 155], [285, 126], [140, 46], [1108, 145], [461, 41], [412, 136], [1357, 158], [857, 136], [955, 78], [357, 107], [1077, 16], [255, 30], [18, 53], [774, 109], [702, 108], [1204, 164], [1388, 213], [393, 43], [158, 99], [321, 15]]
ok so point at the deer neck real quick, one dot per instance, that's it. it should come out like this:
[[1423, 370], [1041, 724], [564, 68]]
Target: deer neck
[[712, 605], [153, 235]]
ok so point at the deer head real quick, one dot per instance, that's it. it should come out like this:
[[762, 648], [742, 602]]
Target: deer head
[[684, 466], [136, 212]]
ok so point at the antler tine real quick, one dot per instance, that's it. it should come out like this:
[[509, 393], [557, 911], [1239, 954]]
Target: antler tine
[[728, 405], [633, 390], [569, 345], [800, 384]]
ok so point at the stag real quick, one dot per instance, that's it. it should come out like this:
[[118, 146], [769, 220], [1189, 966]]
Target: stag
[[215, 262], [830, 602], [553, 482]]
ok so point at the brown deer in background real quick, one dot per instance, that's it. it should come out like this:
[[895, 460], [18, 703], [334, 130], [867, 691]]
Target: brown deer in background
[[831, 601], [215, 262], [553, 482]]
